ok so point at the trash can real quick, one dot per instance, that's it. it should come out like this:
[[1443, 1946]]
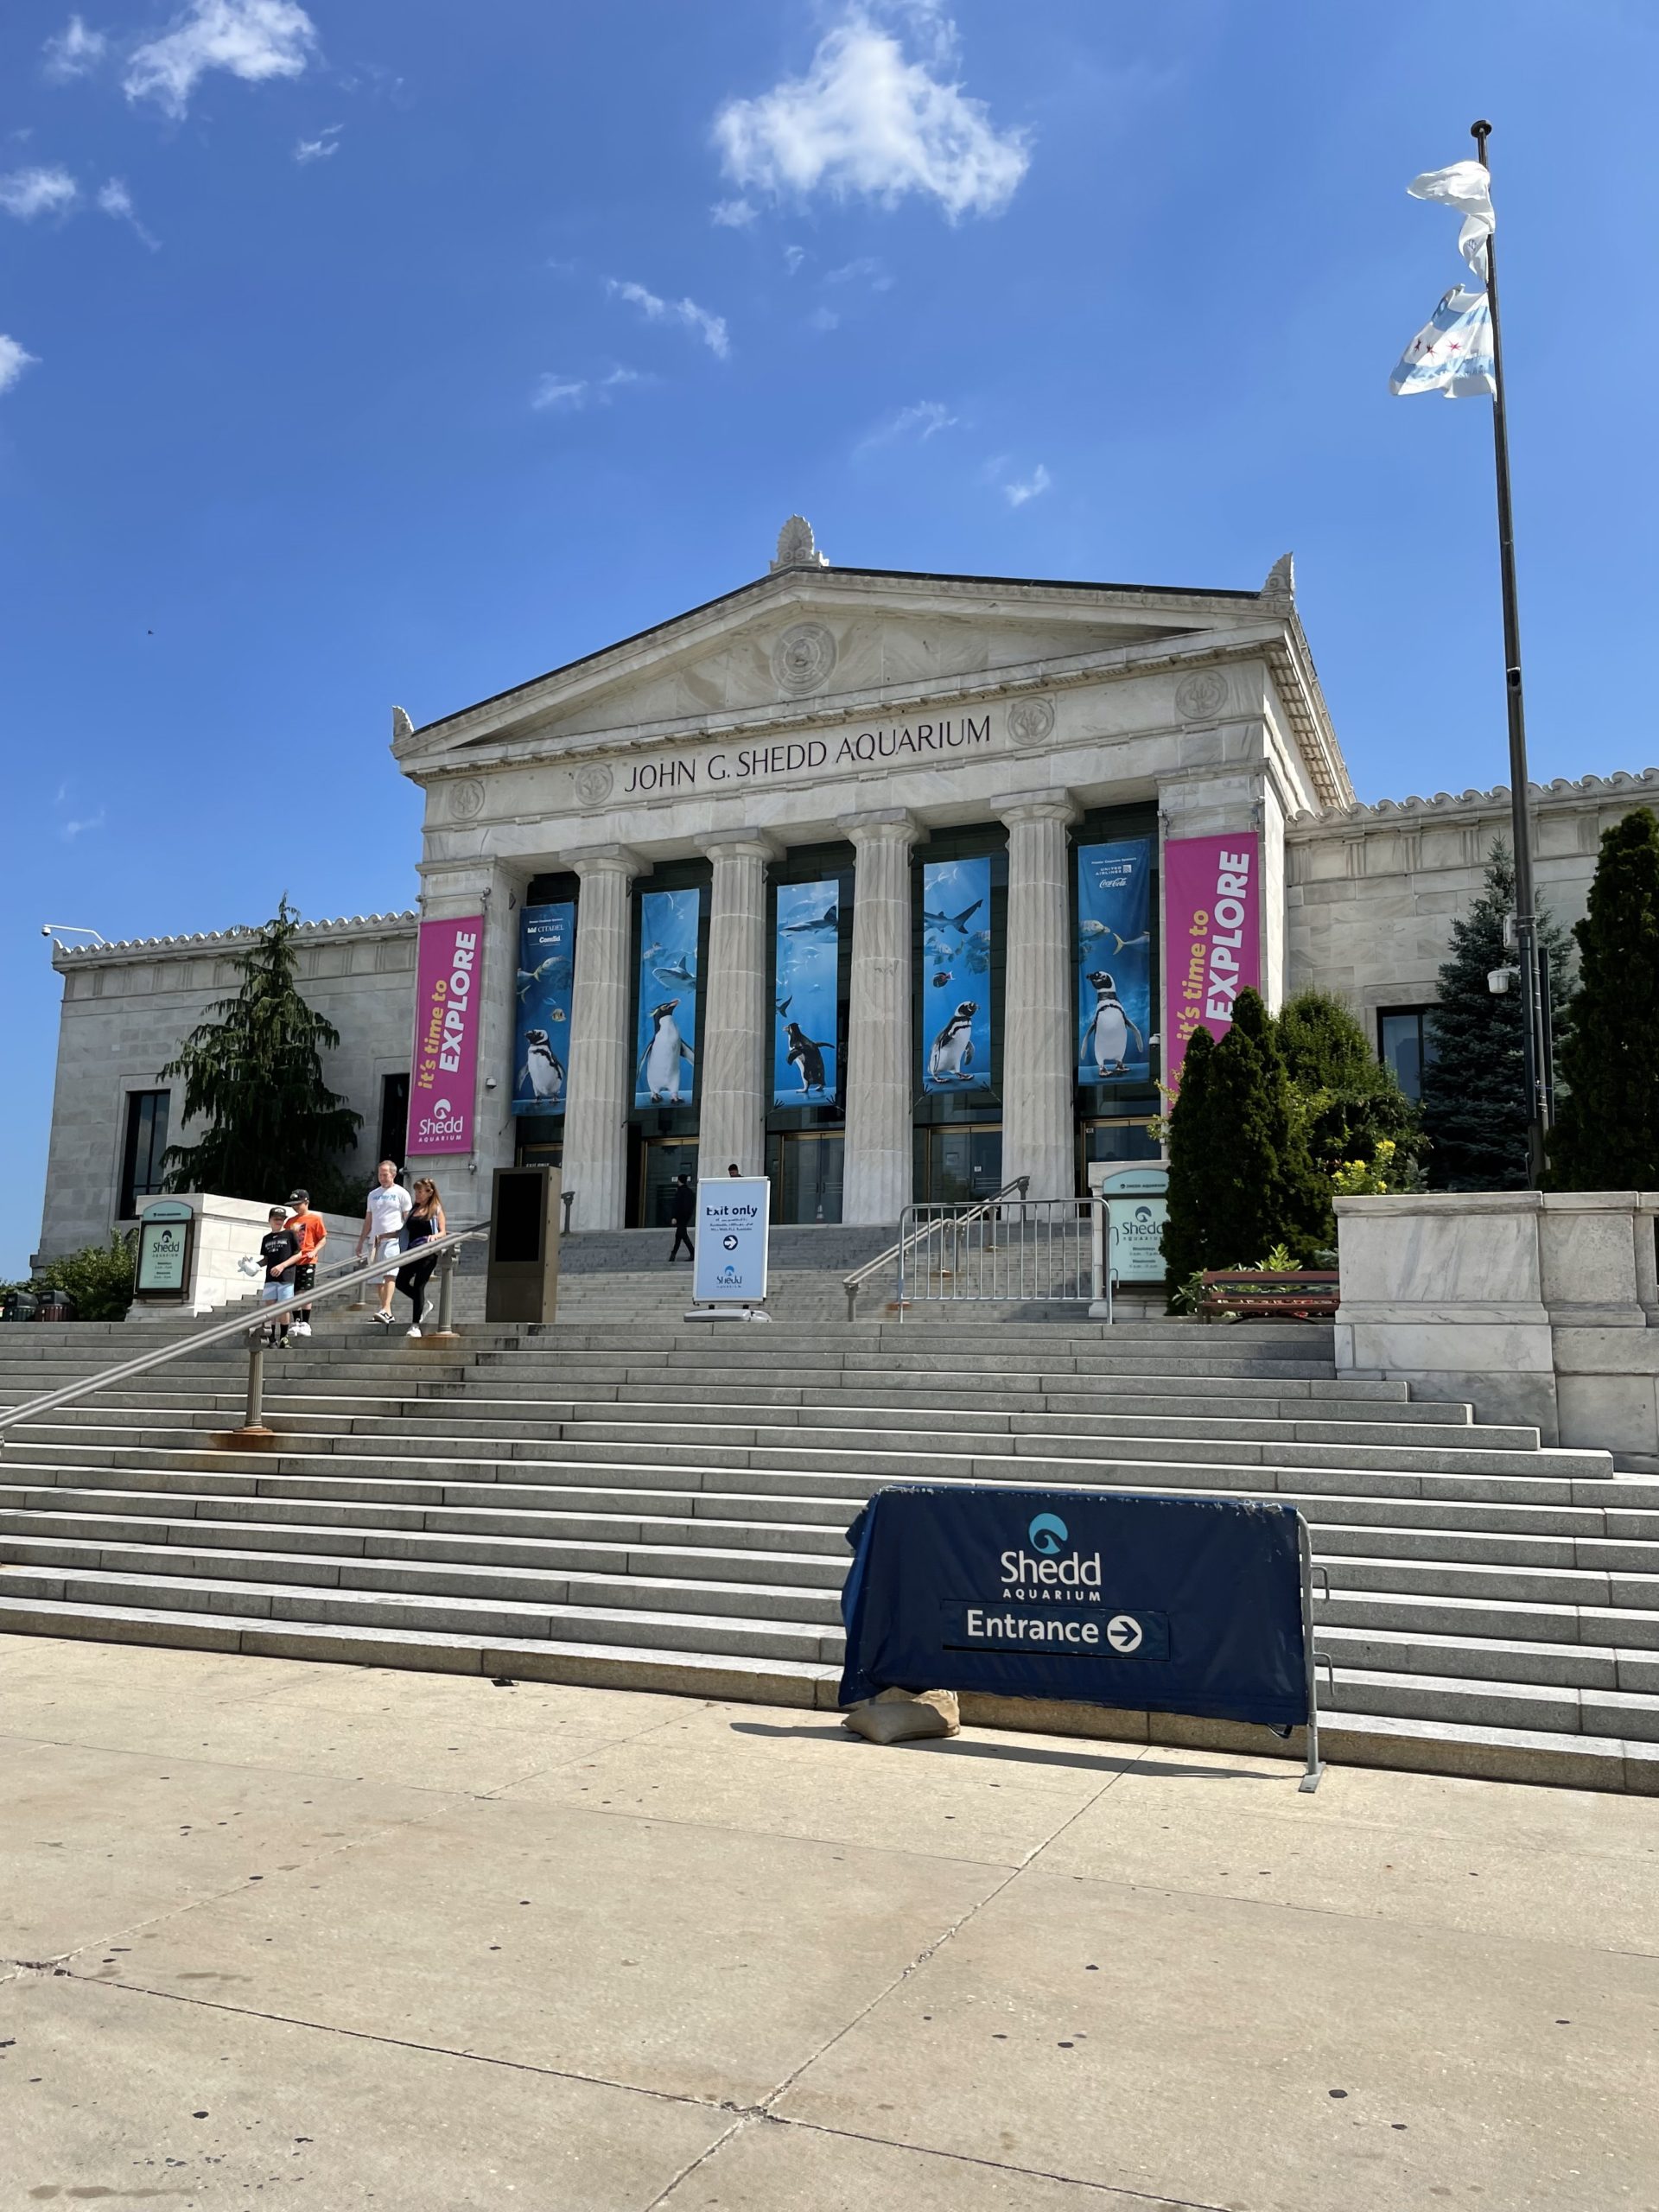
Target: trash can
[[58, 1306], [19, 1306]]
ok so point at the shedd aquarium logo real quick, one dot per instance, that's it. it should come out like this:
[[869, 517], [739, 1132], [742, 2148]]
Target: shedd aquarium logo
[[1045, 1572]]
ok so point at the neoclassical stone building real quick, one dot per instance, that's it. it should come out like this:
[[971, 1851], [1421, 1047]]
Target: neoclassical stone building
[[881, 882]]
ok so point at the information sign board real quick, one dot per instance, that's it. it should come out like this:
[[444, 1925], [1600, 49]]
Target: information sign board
[[163, 1269], [734, 1219]]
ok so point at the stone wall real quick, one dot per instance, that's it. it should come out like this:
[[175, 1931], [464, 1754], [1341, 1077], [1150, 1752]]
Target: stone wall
[[1371, 892], [128, 1007]]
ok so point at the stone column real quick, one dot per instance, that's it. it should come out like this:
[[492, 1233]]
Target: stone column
[[732, 1062], [876, 1168], [601, 1041], [1038, 1043]]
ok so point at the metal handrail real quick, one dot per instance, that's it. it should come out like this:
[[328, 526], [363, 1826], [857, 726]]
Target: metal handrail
[[851, 1283], [1008, 1252], [259, 1318]]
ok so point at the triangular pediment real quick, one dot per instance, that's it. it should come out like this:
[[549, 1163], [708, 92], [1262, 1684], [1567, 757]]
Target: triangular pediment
[[809, 638]]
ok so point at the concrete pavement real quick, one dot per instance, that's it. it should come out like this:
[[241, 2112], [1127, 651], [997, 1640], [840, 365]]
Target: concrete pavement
[[352, 1937]]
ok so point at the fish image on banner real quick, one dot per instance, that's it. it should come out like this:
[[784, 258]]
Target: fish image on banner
[[547, 974], [805, 1061], [956, 975], [665, 1047], [1114, 962]]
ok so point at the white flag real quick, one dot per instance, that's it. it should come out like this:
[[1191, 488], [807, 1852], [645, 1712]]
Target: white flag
[[1452, 352], [1466, 186]]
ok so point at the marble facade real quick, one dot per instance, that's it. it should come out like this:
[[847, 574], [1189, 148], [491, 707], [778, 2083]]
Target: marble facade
[[867, 712]]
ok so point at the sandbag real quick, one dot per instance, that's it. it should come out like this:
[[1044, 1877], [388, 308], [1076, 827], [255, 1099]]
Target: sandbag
[[903, 1716]]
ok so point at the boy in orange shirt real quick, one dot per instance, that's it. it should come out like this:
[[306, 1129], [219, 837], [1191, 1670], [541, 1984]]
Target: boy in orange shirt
[[313, 1234]]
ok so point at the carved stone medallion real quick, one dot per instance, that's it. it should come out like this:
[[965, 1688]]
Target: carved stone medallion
[[465, 799], [1031, 720], [594, 784], [803, 659], [1200, 697]]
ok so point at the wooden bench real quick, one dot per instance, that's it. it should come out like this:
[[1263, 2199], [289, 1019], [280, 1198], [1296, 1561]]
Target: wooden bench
[[1308, 1295]]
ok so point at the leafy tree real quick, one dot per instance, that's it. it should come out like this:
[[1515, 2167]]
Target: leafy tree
[[1301, 1197], [1350, 1102], [1474, 1089], [253, 1072], [1606, 1133], [99, 1278]]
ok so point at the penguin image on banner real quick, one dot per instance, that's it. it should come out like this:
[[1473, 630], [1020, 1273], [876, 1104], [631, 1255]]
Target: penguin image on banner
[[805, 1060], [1114, 957], [546, 968], [665, 1041], [956, 1028]]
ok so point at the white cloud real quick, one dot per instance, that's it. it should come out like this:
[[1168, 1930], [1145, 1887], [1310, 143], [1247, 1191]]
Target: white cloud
[[867, 267], [923, 420], [710, 328], [13, 361], [573, 393], [70, 830], [319, 148], [867, 119], [793, 256], [29, 193], [823, 319], [733, 214], [115, 200], [1038, 482], [252, 39], [74, 52]]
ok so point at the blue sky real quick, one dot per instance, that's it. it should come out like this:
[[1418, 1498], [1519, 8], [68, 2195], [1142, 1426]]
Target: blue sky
[[370, 357]]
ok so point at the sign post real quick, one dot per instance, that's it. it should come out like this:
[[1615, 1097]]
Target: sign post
[[165, 1243], [733, 1232]]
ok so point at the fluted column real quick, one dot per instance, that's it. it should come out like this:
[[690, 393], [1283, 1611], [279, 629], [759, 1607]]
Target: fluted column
[[601, 1042], [1038, 1047], [876, 1165], [732, 1063]]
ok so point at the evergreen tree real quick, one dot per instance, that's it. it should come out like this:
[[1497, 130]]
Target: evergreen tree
[[1606, 1133], [253, 1072], [1192, 1151], [1301, 1200], [1237, 1185], [1474, 1089], [1349, 1100]]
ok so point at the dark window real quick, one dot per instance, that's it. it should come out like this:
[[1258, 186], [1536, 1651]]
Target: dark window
[[394, 1118], [1405, 1042], [141, 1154]]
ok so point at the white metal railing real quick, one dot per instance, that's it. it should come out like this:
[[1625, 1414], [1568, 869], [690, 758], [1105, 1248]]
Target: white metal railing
[[1012, 1250], [853, 1283]]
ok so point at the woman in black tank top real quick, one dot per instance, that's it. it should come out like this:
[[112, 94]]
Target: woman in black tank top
[[424, 1222]]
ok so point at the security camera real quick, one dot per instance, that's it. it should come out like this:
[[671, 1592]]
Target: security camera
[[46, 929], [1498, 980]]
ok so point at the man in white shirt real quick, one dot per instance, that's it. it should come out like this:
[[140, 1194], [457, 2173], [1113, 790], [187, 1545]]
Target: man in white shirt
[[382, 1234]]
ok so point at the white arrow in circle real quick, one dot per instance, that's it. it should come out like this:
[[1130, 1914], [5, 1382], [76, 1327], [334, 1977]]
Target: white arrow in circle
[[1123, 1632], [730, 1244]]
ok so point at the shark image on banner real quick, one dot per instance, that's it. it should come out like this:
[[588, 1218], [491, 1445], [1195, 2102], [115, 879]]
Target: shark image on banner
[[667, 1032], [805, 1056], [547, 970], [955, 994]]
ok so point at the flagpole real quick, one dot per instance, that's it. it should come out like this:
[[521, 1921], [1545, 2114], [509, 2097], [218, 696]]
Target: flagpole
[[1539, 1085]]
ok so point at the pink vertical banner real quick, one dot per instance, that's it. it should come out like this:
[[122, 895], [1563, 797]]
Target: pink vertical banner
[[1212, 936], [444, 1075]]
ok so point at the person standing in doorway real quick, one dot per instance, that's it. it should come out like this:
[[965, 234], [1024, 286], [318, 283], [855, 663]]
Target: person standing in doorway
[[425, 1222], [313, 1234], [733, 1169], [681, 1213], [381, 1237]]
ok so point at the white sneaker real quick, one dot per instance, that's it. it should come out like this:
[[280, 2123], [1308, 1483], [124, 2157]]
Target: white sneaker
[[415, 1331], [385, 1320]]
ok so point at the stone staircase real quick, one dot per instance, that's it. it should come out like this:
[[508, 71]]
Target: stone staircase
[[664, 1507]]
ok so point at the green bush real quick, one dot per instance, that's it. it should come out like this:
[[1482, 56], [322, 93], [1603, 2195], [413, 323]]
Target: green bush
[[98, 1279]]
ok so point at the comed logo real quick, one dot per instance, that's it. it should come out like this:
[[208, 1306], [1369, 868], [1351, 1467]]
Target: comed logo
[[1046, 1534]]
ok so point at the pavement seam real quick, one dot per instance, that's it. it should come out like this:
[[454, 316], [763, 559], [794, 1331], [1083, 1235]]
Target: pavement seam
[[763, 2110]]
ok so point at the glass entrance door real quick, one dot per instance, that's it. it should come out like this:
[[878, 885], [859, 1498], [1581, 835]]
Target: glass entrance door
[[662, 1159], [962, 1164], [807, 1175]]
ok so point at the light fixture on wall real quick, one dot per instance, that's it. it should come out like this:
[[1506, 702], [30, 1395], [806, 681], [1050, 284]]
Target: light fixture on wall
[[73, 929]]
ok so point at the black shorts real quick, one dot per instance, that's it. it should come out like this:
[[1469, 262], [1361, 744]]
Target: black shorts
[[305, 1277]]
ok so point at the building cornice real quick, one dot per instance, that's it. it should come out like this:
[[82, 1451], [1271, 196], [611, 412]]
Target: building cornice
[[1640, 785], [344, 929]]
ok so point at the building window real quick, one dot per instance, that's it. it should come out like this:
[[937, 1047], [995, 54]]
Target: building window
[[394, 1118], [1405, 1042], [141, 1154]]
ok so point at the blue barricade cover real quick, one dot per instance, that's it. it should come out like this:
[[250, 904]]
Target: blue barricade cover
[[1166, 1605]]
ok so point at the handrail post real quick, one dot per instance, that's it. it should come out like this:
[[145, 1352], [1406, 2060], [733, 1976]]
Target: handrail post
[[445, 1332], [253, 1426]]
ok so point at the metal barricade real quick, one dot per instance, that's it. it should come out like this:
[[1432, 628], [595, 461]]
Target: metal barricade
[[1015, 1251]]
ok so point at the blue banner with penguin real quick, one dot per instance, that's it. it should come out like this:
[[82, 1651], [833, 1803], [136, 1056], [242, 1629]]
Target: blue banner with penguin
[[547, 974], [667, 1033], [1114, 962], [956, 975], [805, 1061]]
